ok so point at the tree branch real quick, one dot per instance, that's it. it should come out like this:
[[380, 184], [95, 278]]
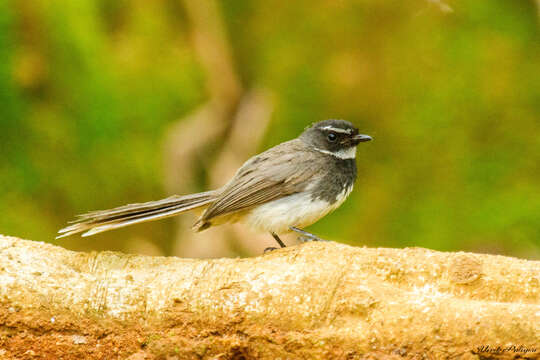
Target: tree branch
[[317, 300]]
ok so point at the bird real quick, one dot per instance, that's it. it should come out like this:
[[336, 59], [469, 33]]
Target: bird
[[283, 189]]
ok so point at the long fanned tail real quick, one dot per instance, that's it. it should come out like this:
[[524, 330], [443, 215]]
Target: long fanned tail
[[105, 220]]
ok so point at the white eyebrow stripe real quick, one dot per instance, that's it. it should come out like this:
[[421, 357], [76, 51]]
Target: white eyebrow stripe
[[338, 130]]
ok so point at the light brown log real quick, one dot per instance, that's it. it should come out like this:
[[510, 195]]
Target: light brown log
[[317, 300]]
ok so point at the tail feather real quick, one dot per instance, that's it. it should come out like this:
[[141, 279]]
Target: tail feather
[[104, 220]]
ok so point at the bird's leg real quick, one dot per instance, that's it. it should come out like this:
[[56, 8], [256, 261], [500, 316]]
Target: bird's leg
[[276, 237], [306, 236]]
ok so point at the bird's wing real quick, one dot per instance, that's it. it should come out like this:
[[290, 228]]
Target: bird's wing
[[280, 171]]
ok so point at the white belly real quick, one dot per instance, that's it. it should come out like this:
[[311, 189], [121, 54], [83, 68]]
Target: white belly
[[297, 210]]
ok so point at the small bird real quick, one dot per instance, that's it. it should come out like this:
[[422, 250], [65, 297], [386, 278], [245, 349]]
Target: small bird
[[284, 189]]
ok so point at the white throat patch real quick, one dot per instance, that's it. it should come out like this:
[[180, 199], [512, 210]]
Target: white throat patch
[[349, 153]]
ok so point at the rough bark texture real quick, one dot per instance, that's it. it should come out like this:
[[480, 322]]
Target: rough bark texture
[[317, 300]]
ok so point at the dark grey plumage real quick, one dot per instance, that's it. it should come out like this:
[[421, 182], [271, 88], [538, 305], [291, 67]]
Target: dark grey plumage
[[341, 174]]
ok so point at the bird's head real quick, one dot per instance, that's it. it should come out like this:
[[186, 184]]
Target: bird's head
[[335, 137]]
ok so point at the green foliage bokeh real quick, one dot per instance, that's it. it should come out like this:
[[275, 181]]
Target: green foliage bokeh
[[88, 88]]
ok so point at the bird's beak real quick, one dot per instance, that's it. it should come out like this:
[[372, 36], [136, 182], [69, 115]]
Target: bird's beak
[[362, 138]]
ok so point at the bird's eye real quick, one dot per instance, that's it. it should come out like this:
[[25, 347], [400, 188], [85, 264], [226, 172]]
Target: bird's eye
[[332, 137]]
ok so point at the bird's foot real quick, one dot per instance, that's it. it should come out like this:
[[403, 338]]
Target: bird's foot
[[269, 249], [304, 239], [306, 236]]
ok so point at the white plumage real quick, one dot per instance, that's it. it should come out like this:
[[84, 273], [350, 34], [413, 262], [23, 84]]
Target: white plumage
[[298, 210]]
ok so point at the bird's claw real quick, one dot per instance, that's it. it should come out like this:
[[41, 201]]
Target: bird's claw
[[306, 236], [304, 239]]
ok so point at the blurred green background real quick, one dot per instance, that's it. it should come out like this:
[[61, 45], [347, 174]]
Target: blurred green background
[[450, 93]]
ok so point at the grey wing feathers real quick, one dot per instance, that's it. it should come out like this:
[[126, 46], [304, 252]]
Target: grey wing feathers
[[277, 172], [104, 220]]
